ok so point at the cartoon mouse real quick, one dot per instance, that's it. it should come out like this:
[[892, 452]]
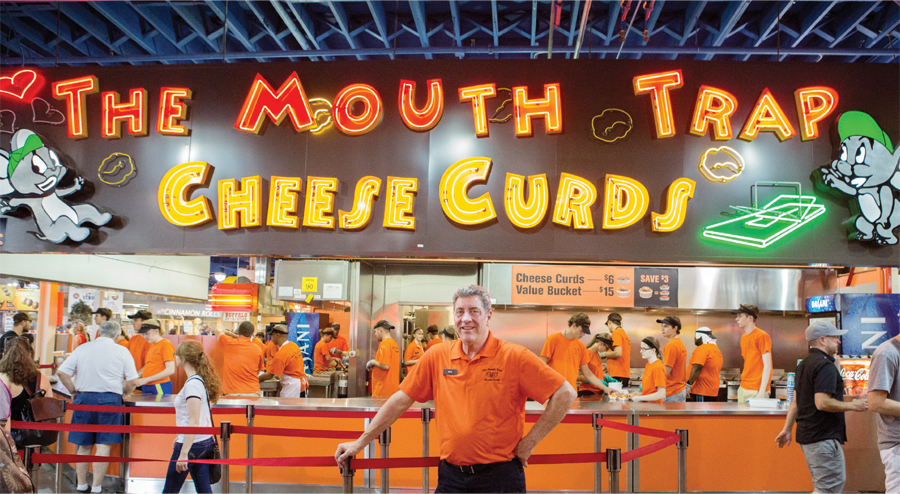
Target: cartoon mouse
[[869, 169], [29, 175]]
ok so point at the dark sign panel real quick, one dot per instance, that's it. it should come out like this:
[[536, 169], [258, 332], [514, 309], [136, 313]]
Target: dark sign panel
[[625, 161], [656, 287]]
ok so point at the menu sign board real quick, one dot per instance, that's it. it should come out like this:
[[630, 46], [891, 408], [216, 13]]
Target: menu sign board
[[573, 285], [656, 287]]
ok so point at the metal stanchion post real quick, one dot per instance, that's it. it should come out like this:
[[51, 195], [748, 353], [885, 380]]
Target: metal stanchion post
[[124, 468], [31, 466], [598, 469], [426, 420], [226, 438], [613, 465], [347, 474], [682, 459], [384, 440], [251, 412], [59, 440]]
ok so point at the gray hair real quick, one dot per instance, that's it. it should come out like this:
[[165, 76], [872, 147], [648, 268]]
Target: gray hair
[[109, 329], [474, 291]]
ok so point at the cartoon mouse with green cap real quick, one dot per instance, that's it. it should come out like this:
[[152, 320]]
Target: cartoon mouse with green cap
[[29, 175], [868, 168]]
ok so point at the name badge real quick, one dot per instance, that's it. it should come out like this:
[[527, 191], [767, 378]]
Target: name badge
[[450, 372]]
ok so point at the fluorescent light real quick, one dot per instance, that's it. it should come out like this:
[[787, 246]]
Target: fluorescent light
[[220, 277]]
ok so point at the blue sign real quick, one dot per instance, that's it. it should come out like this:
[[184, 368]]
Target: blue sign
[[820, 303], [871, 319], [303, 329]]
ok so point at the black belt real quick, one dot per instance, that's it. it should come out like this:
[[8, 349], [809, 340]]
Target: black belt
[[472, 469]]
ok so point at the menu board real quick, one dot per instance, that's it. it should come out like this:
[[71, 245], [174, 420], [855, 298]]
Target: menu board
[[573, 285], [656, 287]]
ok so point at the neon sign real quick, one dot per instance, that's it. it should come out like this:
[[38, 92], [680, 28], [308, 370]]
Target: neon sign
[[762, 228], [174, 193], [320, 202], [677, 197], [262, 100], [734, 163], [714, 106], [74, 92], [626, 202], [357, 124], [813, 105], [477, 95], [767, 116], [425, 119], [134, 112], [240, 207], [172, 110], [18, 84], [530, 212], [454, 186], [658, 86], [525, 109], [367, 189], [283, 202], [398, 213], [573, 202]]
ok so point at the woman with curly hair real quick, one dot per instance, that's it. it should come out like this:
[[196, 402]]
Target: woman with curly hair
[[80, 335], [192, 409], [19, 373]]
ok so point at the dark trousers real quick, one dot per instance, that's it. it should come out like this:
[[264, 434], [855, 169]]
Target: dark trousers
[[507, 476], [702, 399], [199, 471], [624, 380]]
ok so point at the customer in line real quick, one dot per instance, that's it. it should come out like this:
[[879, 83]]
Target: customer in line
[[674, 359], [479, 386], [818, 409], [884, 399], [243, 361], [446, 334], [21, 325], [618, 359], [192, 409], [385, 367], [287, 365], [80, 335], [756, 348], [137, 344], [653, 383], [97, 373], [706, 364], [160, 362], [414, 349], [434, 337], [323, 360], [21, 375], [565, 353], [599, 343]]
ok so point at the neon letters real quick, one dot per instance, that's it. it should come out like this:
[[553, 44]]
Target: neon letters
[[574, 199], [425, 119], [320, 202], [289, 100], [353, 124], [174, 194], [453, 190], [626, 202], [658, 86], [134, 112], [367, 189], [677, 197], [714, 106], [477, 95], [767, 116], [172, 111], [521, 212], [283, 202], [525, 109], [398, 212], [240, 207], [813, 105], [74, 92]]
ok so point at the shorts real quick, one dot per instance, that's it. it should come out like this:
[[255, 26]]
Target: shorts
[[745, 394], [97, 418], [157, 389], [676, 398]]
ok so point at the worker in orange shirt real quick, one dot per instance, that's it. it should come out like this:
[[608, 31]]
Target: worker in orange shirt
[[706, 364], [565, 353], [653, 382], [756, 348], [259, 339], [385, 367], [618, 360], [287, 365], [137, 345], [433, 337], [160, 363], [243, 361], [414, 349], [323, 359], [479, 385], [674, 359]]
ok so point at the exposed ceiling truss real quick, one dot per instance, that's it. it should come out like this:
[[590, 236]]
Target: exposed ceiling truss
[[211, 31]]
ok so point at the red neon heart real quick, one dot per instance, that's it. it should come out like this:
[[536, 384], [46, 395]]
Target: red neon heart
[[21, 80]]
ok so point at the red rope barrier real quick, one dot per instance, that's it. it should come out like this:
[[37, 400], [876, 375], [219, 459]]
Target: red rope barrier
[[652, 448], [644, 431], [412, 414], [272, 431], [568, 419], [133, 429], [151, 410], [301, 461]]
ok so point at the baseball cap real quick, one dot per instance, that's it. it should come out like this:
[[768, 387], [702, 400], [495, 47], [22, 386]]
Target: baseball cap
[[384, 324], [614, 317], [673, 321], [335, 326], [21, 316], [822, 328], [328, 331], [857, 123], [279, 328], [748, 309], [103, 311], [148, 325], [142, 314]]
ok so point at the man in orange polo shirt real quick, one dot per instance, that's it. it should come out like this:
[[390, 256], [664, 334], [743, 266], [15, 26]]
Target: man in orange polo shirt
[[138, 345], [674, 359], [322, 358], [160, 363], [385, 367], [618, 360], [565, 353], [479, 385], [287, 365], [756, 348], [706, 364], [243, 361], [260, 340]]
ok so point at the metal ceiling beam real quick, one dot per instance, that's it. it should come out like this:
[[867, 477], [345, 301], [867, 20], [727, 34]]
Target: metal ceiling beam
[[848, 27], [811, 20], [268, 28], [286, 18], [306, 23], [192, 16], [768, 25], [235, 25], [454, 15], [49, 21], [729, 19], [129, 22], [340, 16], [88, 21], [377, 10], [651, 23], [162, 21], [418, 13], [495, 28]]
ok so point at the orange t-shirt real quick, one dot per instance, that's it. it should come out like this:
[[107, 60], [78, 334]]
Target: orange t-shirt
[[654, 377], [321, 357], [258, 342], [753, 347], [480, 402], [675, 356], [288, 360], [138, 346], [620, 367], [386, 382], [596, 366], [340, 343], [123, 342], [270, 351], [413, 352], [243, 361], [433, 342], [157, 355], [710, 357], [566, 356]]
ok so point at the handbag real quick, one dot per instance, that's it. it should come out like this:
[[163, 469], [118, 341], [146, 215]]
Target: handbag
[[215, 470], [38, 408], [13, 476]]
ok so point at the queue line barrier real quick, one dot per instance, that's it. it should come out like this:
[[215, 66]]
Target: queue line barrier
[[612, 457]]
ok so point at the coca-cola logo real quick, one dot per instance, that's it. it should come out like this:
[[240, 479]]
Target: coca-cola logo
[[861, 374]]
